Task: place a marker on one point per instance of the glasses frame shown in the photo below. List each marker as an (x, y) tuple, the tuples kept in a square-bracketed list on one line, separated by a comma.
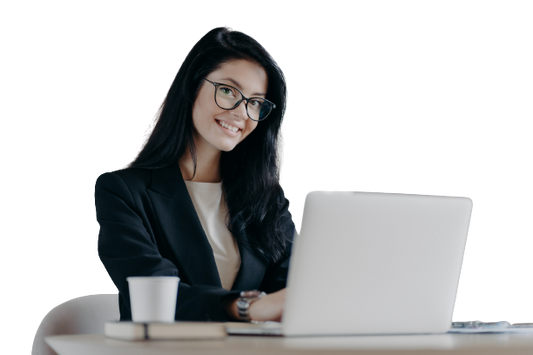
[(244, 98)]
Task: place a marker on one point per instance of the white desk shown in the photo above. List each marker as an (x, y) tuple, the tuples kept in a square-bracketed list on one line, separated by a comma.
[(442, 344)]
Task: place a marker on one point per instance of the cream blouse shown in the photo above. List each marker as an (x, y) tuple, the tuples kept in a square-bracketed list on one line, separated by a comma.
[(208, 200)]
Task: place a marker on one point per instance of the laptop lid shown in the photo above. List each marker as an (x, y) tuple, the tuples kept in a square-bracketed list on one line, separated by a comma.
[(376, 263)]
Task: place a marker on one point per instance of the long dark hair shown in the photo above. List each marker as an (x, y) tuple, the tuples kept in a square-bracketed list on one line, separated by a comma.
[(250, 172)]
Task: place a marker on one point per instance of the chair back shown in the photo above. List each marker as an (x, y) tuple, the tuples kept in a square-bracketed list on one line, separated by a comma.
[(83, 315)]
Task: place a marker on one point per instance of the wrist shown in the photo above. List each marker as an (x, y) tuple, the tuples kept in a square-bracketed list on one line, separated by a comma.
[(243, 303)]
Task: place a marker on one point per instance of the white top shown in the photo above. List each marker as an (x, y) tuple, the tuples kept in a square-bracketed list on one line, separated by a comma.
[(211, 208)]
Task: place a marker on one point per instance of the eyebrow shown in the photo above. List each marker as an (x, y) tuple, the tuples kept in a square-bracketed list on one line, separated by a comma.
[(236, 83)]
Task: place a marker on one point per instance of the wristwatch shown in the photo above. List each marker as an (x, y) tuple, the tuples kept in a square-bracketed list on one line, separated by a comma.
[(246, 298)]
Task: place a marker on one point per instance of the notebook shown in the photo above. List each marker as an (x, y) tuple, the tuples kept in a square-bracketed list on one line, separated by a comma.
[(373, 263)]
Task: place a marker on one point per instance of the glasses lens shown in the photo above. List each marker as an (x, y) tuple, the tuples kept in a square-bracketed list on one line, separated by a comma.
[(258, 109), (227, 98)]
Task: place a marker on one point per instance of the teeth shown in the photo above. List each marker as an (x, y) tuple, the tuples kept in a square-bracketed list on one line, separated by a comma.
[(225, 125)]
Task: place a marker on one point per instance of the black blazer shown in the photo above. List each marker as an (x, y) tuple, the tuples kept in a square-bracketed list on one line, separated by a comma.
[(148, 226)]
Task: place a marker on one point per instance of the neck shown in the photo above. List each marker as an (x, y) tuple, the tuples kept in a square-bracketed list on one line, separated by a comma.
[(207, 167)]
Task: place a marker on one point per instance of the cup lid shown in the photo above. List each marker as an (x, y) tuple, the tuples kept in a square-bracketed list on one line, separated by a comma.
[(152, 278)]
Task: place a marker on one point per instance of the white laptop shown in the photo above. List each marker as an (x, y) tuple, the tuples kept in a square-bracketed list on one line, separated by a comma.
[(373, 263)]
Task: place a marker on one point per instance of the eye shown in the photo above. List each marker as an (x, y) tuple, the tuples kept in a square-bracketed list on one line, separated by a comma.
[(256, 103), (226, 91)]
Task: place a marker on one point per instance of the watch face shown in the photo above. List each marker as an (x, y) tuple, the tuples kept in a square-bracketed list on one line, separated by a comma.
[(243, 304)]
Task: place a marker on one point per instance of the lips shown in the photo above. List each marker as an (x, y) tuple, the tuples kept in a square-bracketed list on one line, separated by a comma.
[(228, 126)]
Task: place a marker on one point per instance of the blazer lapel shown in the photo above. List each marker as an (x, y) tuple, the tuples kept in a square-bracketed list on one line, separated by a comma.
[(181, 227), (186, 238), (251, 265)]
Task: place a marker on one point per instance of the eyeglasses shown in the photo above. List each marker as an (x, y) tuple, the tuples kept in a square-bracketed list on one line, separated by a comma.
[(227, 98)]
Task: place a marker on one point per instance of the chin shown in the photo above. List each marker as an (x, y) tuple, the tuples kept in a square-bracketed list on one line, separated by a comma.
[(227, 148)]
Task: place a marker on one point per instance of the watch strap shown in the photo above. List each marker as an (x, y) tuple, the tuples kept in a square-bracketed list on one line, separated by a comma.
[(246, 298)]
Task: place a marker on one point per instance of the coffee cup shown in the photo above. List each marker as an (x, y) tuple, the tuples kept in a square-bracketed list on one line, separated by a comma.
[(153, 298)]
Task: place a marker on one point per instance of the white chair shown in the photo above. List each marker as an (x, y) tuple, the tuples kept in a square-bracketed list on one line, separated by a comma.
[(83, 315)]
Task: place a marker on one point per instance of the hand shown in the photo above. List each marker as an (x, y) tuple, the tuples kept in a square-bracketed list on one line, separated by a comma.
[(269, 307)]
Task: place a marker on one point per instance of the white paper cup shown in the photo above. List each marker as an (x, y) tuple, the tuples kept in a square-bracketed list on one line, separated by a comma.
[(153, 298)]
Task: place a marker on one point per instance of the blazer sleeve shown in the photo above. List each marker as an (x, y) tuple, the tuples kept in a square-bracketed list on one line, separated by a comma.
[(127, 247), (276, 275)]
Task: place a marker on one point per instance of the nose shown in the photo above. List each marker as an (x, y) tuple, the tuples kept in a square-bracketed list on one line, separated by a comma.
[(240, 111)]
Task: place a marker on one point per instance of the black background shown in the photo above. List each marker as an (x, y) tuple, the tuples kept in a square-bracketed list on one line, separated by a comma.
[(374, 107)]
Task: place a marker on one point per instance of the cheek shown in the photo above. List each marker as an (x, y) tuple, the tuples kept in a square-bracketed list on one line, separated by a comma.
[(250, 126), (195, 119), (200, 116)]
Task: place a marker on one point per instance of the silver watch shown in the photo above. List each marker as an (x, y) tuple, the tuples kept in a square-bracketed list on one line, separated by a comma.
[(246, 298)]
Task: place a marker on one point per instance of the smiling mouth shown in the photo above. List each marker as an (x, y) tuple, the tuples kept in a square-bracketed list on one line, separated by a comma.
[(227, 126)]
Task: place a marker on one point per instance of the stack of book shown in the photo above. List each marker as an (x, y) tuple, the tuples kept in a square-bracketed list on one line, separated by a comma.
[(165, 331)]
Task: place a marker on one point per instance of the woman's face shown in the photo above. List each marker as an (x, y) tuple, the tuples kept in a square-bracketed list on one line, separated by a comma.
[(220, 129)]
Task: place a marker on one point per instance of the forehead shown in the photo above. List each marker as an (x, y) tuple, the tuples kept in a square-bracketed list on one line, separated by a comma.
[(249, 77)]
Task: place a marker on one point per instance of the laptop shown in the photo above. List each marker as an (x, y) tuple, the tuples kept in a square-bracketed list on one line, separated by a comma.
[(373, 263)]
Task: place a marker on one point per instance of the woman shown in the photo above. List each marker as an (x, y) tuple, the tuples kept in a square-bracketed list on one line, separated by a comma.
[(202, 199)]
